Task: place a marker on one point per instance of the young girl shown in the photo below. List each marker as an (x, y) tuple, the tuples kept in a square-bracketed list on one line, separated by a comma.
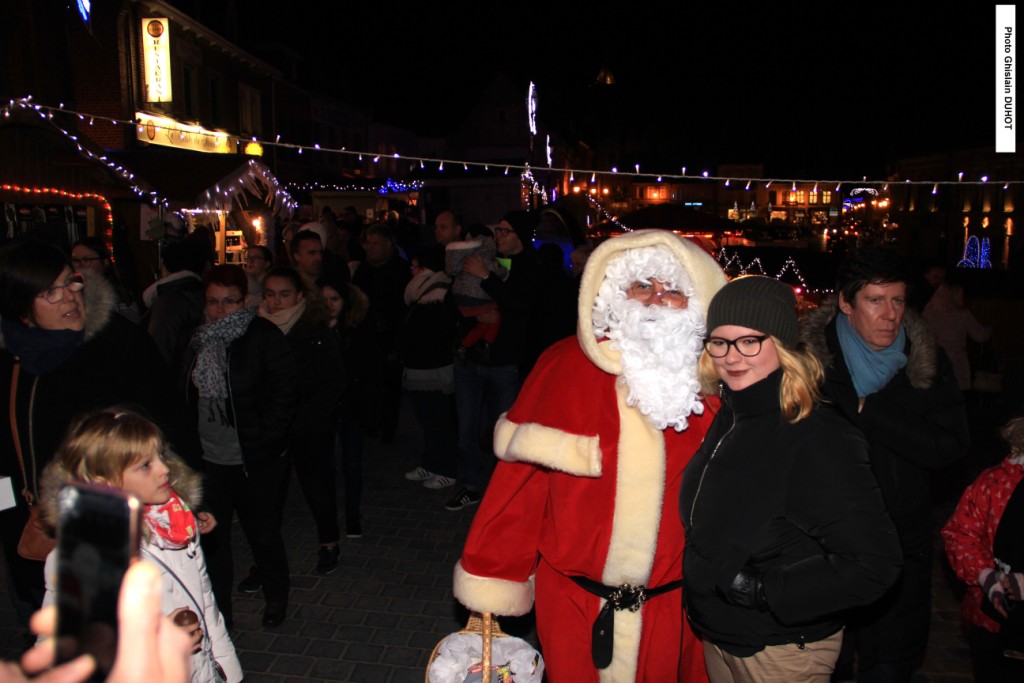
[(120, 448)]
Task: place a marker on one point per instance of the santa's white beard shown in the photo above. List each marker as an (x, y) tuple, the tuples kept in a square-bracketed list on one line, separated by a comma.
[(659, 349)]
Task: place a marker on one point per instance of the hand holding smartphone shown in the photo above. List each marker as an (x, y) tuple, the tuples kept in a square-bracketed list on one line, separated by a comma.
[(97, 540)]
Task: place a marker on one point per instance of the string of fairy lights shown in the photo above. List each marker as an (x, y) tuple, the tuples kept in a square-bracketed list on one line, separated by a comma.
[(423, 162)]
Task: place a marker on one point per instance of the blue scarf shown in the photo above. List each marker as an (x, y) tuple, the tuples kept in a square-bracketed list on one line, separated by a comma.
[(40, 351), (870, 370)]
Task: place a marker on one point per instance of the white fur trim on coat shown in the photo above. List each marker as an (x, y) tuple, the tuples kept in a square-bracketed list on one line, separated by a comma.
[(639, 494), (546, 446), (483, 594)]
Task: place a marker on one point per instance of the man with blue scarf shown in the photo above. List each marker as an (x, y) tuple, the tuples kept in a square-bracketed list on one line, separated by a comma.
[(884, 370)]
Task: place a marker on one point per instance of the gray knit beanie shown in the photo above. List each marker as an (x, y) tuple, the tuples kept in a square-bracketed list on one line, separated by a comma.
[(757, 302)]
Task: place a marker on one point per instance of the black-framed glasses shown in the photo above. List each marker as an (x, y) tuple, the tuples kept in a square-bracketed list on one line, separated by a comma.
[(54, 295), (749, 345)]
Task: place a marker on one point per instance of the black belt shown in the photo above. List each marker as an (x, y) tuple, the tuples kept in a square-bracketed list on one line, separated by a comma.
[(618, 598)]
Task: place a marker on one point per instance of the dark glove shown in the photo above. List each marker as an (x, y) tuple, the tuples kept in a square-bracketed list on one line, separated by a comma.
[(747, 590)]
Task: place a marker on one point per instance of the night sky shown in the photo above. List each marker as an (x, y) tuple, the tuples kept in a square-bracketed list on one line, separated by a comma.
[(812, 89)]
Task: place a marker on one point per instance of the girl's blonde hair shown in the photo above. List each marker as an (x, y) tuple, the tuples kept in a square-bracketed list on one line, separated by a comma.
[(801, 379), (1013, 434), (101, 445)]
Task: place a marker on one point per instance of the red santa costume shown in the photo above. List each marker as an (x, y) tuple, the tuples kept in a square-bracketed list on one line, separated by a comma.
[(580, 491)]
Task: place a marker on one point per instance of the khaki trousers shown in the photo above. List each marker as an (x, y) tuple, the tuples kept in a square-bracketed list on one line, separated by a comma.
[(776, 663)]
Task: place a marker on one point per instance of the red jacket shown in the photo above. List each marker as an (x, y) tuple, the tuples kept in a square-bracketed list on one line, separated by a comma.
[(971, 530)]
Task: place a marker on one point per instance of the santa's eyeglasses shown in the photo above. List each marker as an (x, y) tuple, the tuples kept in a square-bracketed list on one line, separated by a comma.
[(653, 292)]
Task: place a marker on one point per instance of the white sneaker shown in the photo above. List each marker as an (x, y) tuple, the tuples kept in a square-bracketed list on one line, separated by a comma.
[(439, 481), (419, 474)]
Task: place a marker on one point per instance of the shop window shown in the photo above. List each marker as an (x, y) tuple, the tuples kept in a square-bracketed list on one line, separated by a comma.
[(248, 110)]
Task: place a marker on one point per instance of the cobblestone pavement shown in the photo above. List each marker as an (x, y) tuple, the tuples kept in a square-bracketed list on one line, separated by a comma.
[(377, 619)]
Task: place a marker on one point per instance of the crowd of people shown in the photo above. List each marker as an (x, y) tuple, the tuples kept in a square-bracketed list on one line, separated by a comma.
[(686, 481)]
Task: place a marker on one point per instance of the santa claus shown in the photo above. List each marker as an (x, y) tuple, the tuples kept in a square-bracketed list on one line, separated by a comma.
[(581, 510)]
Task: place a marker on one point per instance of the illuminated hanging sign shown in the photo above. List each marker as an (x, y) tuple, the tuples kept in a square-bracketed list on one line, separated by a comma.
[(156, 40), (161, 130)]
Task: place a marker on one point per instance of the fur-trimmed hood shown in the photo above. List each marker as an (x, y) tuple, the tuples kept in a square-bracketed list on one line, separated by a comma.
[(922, 359), (706, 274), (183, 480)]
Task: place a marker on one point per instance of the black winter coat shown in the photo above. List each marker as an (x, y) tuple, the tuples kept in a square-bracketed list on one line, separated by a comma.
[(914, 425), (263, 391), (798, 503), (320, 371)]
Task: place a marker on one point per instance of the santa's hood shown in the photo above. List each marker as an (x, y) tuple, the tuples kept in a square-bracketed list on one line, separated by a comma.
[(703, 270)]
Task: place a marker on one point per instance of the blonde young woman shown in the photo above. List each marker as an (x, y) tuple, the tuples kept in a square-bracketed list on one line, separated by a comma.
[(120, 448), (785, 525)]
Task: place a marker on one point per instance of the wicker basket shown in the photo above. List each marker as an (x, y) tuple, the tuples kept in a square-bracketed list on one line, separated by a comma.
[(487, 627)]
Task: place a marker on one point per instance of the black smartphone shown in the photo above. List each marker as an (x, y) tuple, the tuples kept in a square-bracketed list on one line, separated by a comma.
[(97, 539)]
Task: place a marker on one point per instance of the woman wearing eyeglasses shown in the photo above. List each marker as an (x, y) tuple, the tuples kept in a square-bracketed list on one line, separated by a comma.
[(64, 351), (91, 258), (242, 386), (785, 524)]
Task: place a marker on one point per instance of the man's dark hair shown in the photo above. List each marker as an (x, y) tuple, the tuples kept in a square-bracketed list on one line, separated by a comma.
[(869, 266), (381, 230), (227, 275), (287, 273), (26, 269), (184, 255), (303, 235), (263, 251)]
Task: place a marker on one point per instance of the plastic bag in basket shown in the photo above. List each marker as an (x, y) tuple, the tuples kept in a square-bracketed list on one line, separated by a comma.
[(458, 660)]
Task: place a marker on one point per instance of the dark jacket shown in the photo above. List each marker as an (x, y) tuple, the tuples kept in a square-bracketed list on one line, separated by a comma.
[(263, 393), (427, 337), (384, 286), (516, 297), (178, 306), (795, 502), (320, 371), (913, 425)]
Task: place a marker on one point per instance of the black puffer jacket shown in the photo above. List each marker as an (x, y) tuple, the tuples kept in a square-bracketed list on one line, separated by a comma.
[(262, 387), (798, 503)]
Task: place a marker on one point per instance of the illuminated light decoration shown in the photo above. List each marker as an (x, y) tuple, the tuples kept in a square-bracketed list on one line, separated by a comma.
[(768, 184), (935, 188), (637, 167), (885, 188), (45, 112), (815, 188), (393, 156), (705, 174), (548, 150), (863, 190), (254, 149), (793, 189), (572, 178), (984, 178), (506, 170), (659, 179), (465, 167), (156, 34), (531, 108), (976, 253), (376, 159), (960, 176), (440, 167), (84, 9), (615, 169), (77, 196), (748, 186), (727, 182)]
